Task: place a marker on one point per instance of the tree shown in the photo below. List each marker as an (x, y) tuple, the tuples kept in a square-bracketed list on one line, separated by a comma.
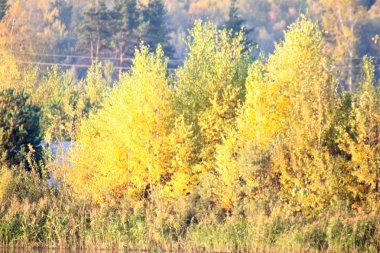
[(211, 88), (58, 19), (127, 23), (279, 140), (20, 131), (94, 33), (61, 10), (357, 139), (55, 95), (4, 6), (366, 146), (13, 76), (93, 89), (235, 23), (16, 30), (342, 19), (155, 27), (134, 144)]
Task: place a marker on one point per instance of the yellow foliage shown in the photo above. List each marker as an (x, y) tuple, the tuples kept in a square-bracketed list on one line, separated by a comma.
[(13, 76), (5, 181), (364, 145), (130, 146), (285, 115)]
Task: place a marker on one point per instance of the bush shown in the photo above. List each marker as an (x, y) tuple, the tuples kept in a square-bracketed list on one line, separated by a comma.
[(20, 131)]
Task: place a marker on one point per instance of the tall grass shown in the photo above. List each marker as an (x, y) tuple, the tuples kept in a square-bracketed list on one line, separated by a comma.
[(36, 215)]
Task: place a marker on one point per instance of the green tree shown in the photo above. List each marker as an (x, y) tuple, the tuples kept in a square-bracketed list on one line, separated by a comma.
[(20, 131), (55, 94), (155, 27), (4, 6), (94, 33), (235, 23), (127, 24), (211, 87)]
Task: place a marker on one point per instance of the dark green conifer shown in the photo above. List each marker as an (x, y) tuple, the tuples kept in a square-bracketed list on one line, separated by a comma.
[(235, 23), (20, 130), (155, 29), (126, 18), (94, 33), (4, 6)]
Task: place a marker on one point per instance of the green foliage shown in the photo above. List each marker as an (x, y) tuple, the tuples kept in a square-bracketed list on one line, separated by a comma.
[(95, 30), (235, 23), (20, 130), (155, 29), (65, 102), (211, 86), (93, 89), (127, 20), (4, 6), (55, 97)]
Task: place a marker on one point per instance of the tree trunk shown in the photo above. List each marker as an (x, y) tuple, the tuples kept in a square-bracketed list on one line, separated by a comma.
[(92, 52), (121, 62)]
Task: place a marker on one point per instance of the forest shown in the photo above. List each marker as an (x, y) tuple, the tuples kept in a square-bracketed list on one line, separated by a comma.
[(213, 126)]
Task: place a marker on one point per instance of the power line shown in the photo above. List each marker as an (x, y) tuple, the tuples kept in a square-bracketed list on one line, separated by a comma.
[(84, 56), (62, 64), (40, 63)]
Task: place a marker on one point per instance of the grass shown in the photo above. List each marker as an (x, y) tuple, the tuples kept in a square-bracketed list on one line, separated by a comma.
[(36, 215)]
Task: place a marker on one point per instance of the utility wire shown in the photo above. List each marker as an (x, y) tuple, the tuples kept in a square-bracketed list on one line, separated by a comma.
[(40, 63), (83, 56), (62, 64)]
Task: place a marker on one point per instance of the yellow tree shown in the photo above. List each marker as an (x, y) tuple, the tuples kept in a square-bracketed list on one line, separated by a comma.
[(281, 128), (134, 145), (12, 75), (362, 144), (17, 27), (37, 19)]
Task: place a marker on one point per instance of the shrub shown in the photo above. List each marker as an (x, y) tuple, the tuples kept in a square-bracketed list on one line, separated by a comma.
[(20, 131)]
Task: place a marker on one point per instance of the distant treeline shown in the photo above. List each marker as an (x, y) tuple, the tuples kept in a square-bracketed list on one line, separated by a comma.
[(68, 31)]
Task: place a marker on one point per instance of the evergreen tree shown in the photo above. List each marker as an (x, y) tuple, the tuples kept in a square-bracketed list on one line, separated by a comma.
[(95, 32), (155, 30), (3, 8), (20, 131), (234, 22), (127, 22)]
